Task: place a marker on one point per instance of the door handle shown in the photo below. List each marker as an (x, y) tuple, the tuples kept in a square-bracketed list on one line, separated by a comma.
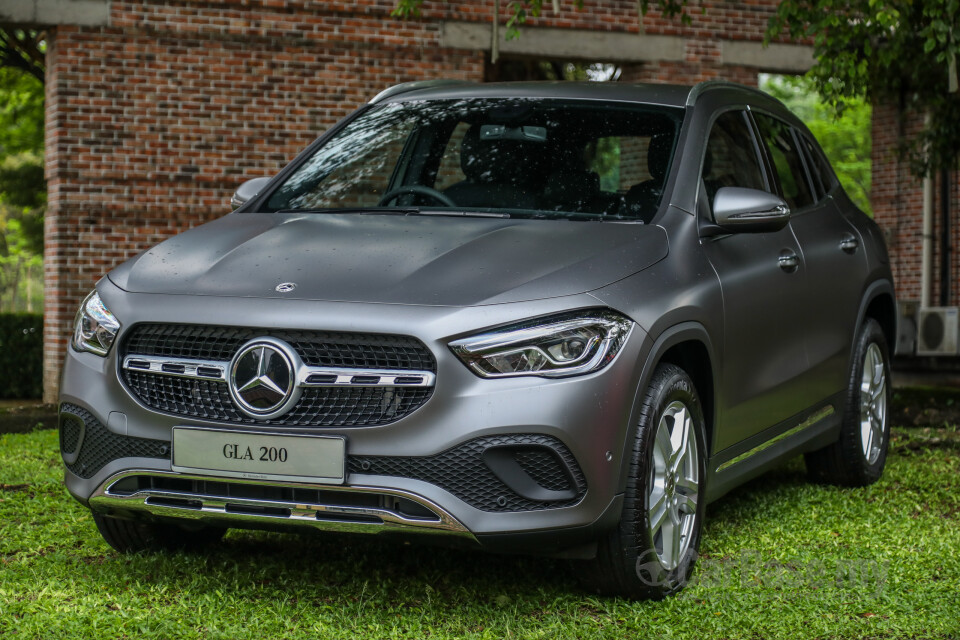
[(849, 243), (788, 261)]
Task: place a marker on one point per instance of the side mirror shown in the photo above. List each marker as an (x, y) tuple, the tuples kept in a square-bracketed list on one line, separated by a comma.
[(248, 190), (736, 209)]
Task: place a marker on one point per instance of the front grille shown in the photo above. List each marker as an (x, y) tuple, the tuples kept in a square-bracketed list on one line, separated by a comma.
[(317, 407), (462, 472), (315, 348), (100, 445)]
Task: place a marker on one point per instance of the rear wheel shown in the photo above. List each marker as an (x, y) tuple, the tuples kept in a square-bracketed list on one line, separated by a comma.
[(652, 552), (129, 536), (857, 458)]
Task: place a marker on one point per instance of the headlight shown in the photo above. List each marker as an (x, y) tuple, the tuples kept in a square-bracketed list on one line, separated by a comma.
[(94, 328), (553, 347)]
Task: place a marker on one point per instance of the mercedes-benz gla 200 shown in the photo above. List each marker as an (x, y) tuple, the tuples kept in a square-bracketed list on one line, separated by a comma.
[(538, 318)]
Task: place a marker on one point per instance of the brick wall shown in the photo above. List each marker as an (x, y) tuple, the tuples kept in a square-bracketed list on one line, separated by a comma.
[(154, 119), (897, 200)]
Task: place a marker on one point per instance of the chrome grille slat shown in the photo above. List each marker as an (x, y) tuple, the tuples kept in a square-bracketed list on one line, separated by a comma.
[(342, 376)]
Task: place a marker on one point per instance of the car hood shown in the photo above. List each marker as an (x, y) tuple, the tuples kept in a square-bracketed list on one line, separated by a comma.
[(422, 260)]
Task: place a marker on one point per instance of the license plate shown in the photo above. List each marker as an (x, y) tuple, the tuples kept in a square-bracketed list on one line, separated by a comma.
[(259, 456)]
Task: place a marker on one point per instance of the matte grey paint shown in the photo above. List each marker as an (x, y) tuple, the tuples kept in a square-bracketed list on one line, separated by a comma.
[(393, 259), (778, 342), (249, 189), (736, 209)]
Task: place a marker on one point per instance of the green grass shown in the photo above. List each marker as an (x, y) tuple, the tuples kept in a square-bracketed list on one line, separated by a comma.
[(781, 559)]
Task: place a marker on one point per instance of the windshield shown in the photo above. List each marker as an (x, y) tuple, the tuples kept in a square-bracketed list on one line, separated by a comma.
[(517, 157)]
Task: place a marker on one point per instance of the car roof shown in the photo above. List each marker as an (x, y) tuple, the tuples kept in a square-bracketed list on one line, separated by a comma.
[(671, 95)]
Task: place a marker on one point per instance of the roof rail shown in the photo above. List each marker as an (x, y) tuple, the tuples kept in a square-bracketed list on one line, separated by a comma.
[(404, 87), (701, 87)]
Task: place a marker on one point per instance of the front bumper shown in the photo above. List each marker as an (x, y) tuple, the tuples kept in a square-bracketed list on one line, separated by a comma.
[(584, 419)]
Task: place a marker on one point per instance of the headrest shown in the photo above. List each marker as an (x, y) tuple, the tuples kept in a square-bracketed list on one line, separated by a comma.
[(569, 187), (658, 156)]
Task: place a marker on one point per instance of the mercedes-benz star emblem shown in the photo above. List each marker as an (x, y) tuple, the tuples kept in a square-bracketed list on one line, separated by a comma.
[(262, 379), (286, 287)]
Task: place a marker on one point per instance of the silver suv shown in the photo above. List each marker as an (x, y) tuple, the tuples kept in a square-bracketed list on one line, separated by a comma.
[(545, 318)]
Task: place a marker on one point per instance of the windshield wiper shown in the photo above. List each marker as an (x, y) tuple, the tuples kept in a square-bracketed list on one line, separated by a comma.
[(392, 211), (461, 214)]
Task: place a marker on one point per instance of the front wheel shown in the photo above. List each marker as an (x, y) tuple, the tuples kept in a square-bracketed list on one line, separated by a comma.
[(652, 552), (857, 458)]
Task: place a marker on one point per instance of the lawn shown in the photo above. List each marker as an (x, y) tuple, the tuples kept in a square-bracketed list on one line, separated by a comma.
[(781, 558)]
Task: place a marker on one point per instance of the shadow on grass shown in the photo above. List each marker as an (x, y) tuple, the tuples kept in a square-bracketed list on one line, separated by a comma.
[(336, 567), (333, 568)]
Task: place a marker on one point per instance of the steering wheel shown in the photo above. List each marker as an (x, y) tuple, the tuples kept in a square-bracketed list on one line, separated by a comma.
[(420, 191)]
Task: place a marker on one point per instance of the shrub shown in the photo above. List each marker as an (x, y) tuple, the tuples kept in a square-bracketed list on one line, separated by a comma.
[(21, 355)]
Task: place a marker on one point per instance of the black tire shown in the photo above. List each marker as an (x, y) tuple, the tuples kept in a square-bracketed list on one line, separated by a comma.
[(846, 462), (628, 561), (131, 536)]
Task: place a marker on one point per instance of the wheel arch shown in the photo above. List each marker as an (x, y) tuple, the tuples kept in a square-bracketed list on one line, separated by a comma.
[(879, 302), (688, 346)]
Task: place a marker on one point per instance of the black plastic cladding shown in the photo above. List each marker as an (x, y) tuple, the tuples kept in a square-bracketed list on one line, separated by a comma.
[(101, 446), (462, 472)]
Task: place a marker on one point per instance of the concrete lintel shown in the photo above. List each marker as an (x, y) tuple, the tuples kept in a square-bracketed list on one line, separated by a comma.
[(551, 42), (53, 12), (788, 58)]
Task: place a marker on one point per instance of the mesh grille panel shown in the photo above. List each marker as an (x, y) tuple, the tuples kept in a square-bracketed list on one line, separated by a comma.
[(318, 407), (100, 446), (544, 468), (462, 472), (70, 426)]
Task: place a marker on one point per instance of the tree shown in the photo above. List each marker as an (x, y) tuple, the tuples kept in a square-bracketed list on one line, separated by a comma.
[(845, 139), (901, 52), (23, 194), (22, 49)]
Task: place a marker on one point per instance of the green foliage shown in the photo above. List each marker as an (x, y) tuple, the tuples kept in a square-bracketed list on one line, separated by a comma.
[(896, 51), (845, 138), (22, 185), (23, 191), (520, 10), (21, 355), (21, 113), (781, 558)]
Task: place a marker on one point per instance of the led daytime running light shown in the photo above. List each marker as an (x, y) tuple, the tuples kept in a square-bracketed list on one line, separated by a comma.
[(557, 347)]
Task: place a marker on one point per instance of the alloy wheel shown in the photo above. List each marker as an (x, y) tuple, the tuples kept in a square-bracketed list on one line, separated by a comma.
[(674, 485), (873, 403)]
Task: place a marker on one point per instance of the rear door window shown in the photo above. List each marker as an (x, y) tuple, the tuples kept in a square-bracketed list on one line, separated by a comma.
[(787, 161)]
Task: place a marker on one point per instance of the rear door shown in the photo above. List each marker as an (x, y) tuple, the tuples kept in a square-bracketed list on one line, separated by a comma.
[(832, 250)]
